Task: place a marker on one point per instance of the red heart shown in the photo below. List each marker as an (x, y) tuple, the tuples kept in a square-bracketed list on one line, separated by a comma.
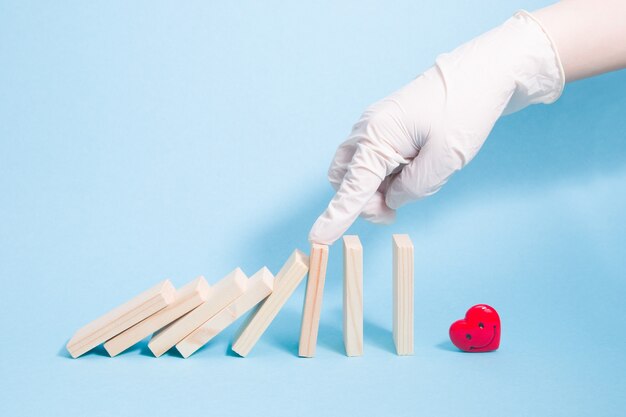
[(479, 331)]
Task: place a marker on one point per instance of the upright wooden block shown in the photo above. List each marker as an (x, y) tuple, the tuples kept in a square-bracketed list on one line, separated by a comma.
[(187, 298), (353, 295), (403, 294), (121, 318), (290, 275), (221, 294), (318, 260), (259, 287)]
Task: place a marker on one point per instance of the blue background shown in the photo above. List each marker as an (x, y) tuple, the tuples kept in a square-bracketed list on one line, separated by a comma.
[(146, 140)]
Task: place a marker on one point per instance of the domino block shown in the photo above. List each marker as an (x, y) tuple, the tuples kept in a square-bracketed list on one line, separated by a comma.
[(187, 298), (353, 295), (318, 260), (221, 294), (403, 294), (285, 283), (121, 318), (259, 287)]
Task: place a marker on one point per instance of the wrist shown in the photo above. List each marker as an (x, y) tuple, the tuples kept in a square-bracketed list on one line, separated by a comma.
[(539, 75), (514, 64)]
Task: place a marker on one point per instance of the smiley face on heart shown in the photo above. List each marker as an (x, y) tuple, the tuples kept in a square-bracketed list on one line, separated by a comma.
[(479, 331)]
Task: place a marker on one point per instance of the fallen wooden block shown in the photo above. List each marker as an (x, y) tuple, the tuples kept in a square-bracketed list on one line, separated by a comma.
[(221, 294), (259, 287), (403, 294), (187, 298), (121, 318), (285, 283), (318, 260), (353, 295)]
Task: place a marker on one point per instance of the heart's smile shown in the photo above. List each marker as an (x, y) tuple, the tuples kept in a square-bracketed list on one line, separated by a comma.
[(495, 331)]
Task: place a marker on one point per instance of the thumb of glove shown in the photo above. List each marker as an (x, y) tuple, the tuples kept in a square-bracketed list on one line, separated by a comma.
[(424, 175)]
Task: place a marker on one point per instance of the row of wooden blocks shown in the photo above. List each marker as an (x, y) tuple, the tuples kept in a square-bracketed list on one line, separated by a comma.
[(191, 316)]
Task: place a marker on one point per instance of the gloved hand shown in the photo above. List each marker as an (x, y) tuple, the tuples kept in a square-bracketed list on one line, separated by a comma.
[(407, 145)]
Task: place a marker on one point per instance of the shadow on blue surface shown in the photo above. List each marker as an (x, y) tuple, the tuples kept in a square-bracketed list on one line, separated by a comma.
[(448, 346), (331, 336), (230, 352), (378, 336), (173, 352), (143, 348), (63, 353), (140, 348)]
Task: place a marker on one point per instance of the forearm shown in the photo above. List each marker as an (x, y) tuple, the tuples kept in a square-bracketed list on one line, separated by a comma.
[(589, 35)]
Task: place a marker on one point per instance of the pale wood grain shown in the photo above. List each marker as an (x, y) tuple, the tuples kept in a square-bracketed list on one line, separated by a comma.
[(286, 281), (121, 318), (311, 310), (403, 277), (353, 295), (220, 295), (259, 287), (188, 297)]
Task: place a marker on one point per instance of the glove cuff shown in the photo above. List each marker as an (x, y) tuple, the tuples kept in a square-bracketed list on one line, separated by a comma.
[(541, 79)]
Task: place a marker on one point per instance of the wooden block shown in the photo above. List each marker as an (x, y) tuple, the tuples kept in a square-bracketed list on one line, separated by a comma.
[(121, 318), (353, 295), (187, 298), (259, 287), (403, 294), (285, 283), (318, 260), (221, 294)]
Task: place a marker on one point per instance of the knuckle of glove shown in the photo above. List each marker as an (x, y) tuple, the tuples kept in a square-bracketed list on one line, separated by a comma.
[(380, 132)]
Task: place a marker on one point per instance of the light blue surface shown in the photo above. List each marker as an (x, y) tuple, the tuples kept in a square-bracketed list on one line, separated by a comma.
[(151, 140)]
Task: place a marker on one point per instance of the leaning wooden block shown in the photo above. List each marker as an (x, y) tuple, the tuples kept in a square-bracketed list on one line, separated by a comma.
[(403, 294), (353, 295), (187, 298), (318, 260), (220, 295), (290, 275), (259, 287), (121, 318)]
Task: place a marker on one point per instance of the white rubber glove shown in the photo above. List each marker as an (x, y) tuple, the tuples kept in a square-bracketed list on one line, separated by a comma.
[(407, 145)]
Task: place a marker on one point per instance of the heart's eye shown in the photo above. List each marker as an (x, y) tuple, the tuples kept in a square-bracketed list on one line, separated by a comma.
[(482, 326), (468, 336)]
